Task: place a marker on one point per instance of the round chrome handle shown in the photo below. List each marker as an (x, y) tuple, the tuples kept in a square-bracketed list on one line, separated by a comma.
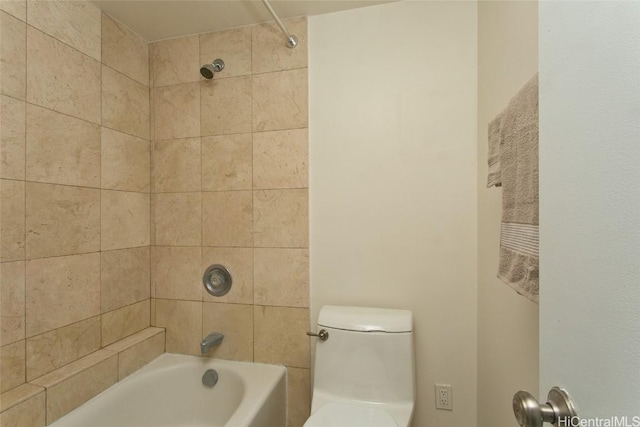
[(322, 334), (559, 409)]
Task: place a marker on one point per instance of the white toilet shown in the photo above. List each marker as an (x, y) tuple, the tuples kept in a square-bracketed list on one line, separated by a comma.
[(364, 370)]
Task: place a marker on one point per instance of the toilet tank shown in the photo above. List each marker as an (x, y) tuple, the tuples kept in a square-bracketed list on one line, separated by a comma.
[(368, 357)]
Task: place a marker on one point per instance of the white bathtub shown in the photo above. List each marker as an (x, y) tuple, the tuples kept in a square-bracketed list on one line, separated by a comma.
[(168, 392)]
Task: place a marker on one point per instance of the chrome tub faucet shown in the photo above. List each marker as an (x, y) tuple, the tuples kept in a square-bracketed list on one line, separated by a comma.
[(212, 340)]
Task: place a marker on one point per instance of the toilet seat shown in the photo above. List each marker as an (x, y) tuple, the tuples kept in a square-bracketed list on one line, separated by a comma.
[(349, 415)]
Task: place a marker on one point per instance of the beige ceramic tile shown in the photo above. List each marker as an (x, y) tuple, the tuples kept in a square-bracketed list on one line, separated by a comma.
[(176, 165), (233, 46), (226, 219), (124, 50), (12, 366), (136, 356), (125, 104), (226, 106), (226, 162), (13, 60), (30, 413), (177, 111), (175, 61), (235, 321), (68, 394), (280, 100), (125, 162), (71, 83), (178, 273), (281, 277), (76, 23), (50, 351), (18, 395), (12, 220), (62, 220), (62, 149), (12, 302), (124, 277), (17, 8), (281, 218), (298, 396), (274, 326), (153, 311), (183, 323), (135, 339), (12, 138), (178, 219), (125, 321), (270, 52), (61, 291), (239, 262), (281, 159), (125, 219)]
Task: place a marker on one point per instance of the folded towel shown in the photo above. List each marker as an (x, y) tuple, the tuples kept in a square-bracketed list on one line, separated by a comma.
[(494, 178), (519, 175)]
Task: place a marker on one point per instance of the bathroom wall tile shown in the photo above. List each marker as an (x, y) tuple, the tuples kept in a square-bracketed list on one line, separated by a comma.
[(62, 220), (178, 273), (76, 23), (12, 138), (281, 159), (66, 395), (62, 149), (298, 396), (280, 336), (226, 219), (54, 349), (177, 111), (233, 46), (125, 218), (281, 218), (125, 321), (135, 339), (227, 162), (12, 220), (124, 51), (29, 413), (61, 291), (281, 277), (270, 52), (12, 302), (12, 366), (280, 100), (125, 104), (239, 262), (176, 165), (126, 162), (183, 323), (18, 395), (17, 8), (178, 219), (138, 355), (235, 321), (124, 277), (175, 61), (71, 84), (226, 106), (13, 60)]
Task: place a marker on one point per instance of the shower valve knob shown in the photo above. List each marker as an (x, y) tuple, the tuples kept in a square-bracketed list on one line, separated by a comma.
[(322, 334)]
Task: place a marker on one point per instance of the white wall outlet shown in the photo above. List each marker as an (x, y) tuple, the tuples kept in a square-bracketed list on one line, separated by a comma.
[(444, 398)]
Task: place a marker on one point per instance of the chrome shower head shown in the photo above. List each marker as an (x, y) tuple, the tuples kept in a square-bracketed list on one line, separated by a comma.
[(208, 70)]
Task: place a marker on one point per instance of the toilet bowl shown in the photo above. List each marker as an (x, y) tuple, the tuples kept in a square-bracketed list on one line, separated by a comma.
[(364, 370)]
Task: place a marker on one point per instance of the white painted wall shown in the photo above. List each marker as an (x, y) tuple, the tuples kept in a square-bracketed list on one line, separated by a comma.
[(393, 170), (590, 204), (507, 322)]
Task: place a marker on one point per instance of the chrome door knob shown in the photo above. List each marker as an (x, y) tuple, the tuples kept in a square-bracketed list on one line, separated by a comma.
[(322, 334), (559, 409)]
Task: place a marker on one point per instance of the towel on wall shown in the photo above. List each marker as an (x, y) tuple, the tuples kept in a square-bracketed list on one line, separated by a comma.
[(518, 170), (495, 177)]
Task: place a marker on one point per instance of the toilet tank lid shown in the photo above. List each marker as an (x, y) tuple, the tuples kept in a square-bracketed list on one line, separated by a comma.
[(366, 319)]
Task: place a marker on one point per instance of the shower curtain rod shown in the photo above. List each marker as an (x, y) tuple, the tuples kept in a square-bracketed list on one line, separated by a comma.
[(292, 41)]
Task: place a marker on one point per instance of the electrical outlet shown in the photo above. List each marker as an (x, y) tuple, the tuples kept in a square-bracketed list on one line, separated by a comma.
[(444, 398)]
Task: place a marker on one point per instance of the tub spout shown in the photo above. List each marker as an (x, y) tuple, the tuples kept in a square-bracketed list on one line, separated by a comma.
[(212, 340)]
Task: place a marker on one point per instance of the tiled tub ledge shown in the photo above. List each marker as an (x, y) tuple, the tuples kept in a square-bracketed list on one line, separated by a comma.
[(51, 396)]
